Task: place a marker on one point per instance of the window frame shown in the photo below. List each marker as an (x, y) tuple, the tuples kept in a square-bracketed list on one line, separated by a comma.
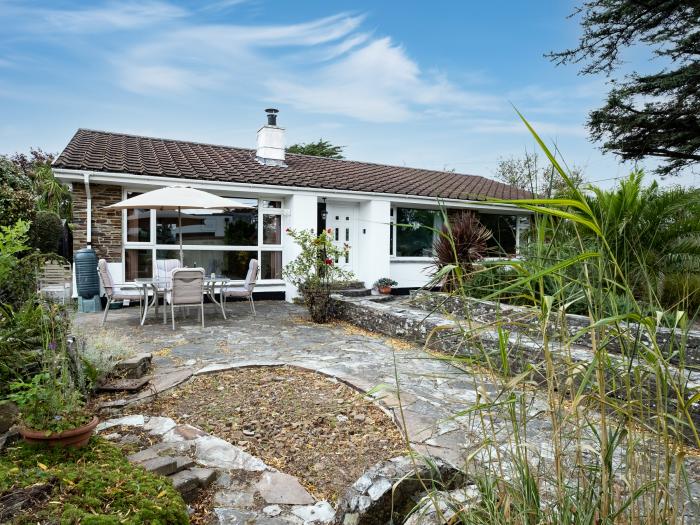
[(154, 247), (393, 221), (521, 220)]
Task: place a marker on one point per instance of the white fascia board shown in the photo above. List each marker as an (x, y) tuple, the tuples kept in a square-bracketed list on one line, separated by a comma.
[(131, 180)]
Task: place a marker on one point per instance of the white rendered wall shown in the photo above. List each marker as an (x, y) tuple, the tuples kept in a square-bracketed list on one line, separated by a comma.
[(410, 273), (302, 216), (373, 241)]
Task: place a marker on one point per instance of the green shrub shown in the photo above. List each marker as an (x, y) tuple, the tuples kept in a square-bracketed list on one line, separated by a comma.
[(95, 484), (20, 343), (682, 291), (22, 286), (16, 205), (46, 232)]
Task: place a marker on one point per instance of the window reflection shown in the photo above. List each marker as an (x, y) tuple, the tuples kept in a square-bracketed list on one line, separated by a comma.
[(271, 265), (416, 231), (138, 264), (138, 223), (229, 228), (272, 229)]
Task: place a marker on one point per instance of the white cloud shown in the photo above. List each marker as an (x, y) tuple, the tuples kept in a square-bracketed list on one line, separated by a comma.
[(376, 83), (111, 16), (329, 65)]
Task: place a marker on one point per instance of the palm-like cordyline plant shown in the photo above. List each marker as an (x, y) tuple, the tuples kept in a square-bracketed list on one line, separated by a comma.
[(461, 243)]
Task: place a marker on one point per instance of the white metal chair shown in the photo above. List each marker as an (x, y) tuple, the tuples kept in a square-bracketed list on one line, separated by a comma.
[(187, 290), (118, 292), (164, 281), (55, 280), (245, 291), (164, 268)]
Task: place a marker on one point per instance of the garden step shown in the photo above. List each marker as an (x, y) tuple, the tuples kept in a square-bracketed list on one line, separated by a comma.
[(186, 483), (189, 482), (161, 465), (183, 462), (134, 367), (355, 292), (127, 385), (381, 298), (351, 285)]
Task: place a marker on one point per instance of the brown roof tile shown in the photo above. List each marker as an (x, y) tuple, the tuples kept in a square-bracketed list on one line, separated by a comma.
[(120, 153)]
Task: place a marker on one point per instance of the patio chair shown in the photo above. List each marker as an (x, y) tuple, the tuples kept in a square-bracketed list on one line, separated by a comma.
[(245, 291), (164, 267), (55, 280), (164, 280), (118, 292), (187, 290)]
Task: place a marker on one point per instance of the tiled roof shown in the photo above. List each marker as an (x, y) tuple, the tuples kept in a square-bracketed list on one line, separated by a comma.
[(120, 153)]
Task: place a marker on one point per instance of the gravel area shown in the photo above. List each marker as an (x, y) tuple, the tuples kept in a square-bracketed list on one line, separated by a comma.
[(303, 423)]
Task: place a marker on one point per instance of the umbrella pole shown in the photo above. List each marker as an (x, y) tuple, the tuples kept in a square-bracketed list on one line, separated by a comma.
[(179, 227)]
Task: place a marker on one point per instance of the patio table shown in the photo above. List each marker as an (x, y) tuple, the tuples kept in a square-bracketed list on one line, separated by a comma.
[(159, 287)]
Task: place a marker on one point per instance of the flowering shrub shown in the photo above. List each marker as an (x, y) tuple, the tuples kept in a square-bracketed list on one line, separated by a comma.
[(314, 271)]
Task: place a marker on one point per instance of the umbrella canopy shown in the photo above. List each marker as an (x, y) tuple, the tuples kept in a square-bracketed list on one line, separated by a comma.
[(179, 198)]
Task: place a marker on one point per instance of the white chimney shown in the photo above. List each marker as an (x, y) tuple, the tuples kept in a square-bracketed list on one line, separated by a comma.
[(270, 151)]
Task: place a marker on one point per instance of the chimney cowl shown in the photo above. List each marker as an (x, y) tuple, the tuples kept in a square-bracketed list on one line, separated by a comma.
[(271, 146), (272, 116)]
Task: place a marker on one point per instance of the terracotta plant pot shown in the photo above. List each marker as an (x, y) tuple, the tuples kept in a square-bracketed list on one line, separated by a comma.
[(386, 290), (75, 437)]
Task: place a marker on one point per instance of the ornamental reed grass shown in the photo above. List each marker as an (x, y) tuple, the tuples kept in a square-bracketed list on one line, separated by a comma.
[(594, 425)]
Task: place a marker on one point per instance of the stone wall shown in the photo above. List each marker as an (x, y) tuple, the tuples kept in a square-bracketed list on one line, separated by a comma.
[(106, 223), (475, 342), (526, 320)]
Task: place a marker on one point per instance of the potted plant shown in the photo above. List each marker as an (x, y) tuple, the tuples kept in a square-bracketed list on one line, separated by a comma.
[(314, 271), (384, 285), (51, 404)]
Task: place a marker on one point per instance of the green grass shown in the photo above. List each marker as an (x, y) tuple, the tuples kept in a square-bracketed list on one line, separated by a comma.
[(93, 485)]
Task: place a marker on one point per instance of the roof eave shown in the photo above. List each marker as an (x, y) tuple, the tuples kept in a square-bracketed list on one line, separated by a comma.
[(130, 179)]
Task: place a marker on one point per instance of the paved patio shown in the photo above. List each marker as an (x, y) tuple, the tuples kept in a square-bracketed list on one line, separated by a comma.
[(431, 391)]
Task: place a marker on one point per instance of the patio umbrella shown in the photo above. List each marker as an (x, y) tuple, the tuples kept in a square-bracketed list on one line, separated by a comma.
[(179, 198)]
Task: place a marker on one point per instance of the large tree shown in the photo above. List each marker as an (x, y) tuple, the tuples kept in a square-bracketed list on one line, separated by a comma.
[(645, 115), (527, 173), (321, 148)]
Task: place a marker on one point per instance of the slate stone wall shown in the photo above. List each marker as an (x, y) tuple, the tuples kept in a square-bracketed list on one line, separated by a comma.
[(526, 320), (106, 223)]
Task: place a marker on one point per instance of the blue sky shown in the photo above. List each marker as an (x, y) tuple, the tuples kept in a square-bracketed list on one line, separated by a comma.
[(425, 84)]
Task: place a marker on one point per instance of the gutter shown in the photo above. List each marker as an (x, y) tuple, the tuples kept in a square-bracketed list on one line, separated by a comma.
[(129, 179)]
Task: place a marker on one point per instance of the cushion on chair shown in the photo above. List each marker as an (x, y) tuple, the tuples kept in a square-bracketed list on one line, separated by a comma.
[(251, 276), (105, 276), (164, 269), (236, 292)]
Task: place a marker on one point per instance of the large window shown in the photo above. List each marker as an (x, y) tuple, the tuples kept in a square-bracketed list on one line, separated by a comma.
[(416, 230), (503, 227), (222, 243), (229, 228), (413, 232), (138, 223)]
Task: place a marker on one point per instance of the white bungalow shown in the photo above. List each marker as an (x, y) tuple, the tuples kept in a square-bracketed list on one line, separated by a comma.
[(361, 202)]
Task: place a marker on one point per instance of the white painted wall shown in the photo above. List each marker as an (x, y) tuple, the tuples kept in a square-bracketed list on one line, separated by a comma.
[(373, 241), (302, 216), (410, 273)]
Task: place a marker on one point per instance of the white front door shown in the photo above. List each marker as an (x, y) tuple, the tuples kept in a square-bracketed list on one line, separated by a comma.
[(342, 220)]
